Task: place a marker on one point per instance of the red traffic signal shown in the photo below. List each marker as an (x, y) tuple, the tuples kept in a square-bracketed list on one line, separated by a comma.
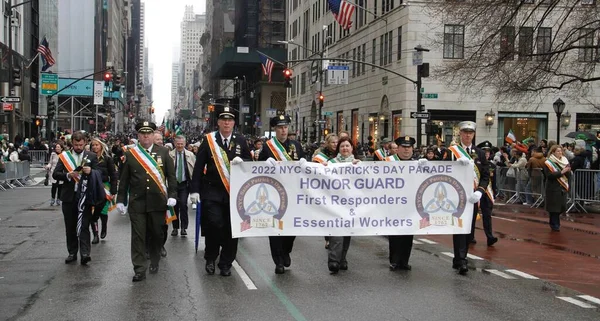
[(287, 73), (107, 76)]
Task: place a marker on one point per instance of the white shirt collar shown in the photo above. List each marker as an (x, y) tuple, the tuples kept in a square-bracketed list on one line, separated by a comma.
[(223, 137), (465, 147), (149, 149)]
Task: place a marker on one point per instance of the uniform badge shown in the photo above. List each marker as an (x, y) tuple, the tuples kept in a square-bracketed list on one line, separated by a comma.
[(159, 161)]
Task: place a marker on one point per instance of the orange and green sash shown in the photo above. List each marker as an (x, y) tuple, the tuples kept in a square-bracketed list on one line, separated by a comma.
[(380, 153), (278, 150), (320, 157), (155, 172), (392, 158), (67, 159), (563, 180), (459, 153), (221, 159)]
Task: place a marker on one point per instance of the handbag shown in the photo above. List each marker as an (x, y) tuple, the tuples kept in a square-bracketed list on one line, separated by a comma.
[(510, 172), (46, 179)]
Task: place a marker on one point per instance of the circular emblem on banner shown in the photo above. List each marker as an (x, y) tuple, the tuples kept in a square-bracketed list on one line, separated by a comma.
[(440, 201), (262, 202)]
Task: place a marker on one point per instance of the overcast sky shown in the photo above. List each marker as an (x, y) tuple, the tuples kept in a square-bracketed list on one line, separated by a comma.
[(163, 31)]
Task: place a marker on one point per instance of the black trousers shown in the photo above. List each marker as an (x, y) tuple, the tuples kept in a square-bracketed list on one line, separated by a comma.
[(146, 232), (98, 213), (216, 225), (461, 242), (281, 246), (485, 207), (181, 209), (55, 190), (400, 248), (74, 243)]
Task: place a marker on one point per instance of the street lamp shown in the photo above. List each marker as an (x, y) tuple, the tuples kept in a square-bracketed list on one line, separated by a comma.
[(566, 120), (559, 107), (489, 119)]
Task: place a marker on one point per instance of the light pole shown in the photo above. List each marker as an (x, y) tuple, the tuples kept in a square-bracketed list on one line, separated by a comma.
[(422, 71), (559, 107)]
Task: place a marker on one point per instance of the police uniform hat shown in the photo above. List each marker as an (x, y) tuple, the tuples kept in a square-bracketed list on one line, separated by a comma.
[(226, 113), (386, 140), (467, 126), (485, 145), (281, 120), (405, 141), (145, 127)]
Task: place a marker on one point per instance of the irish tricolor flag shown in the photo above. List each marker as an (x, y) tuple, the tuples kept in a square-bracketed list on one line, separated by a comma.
[(510, 137)]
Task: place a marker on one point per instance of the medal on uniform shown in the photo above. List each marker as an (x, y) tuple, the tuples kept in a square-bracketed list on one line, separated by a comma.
[(159, 161)]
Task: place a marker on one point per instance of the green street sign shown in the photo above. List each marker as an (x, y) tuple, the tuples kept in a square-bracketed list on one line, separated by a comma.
[(430, 96), (49, 85), (327, 113), (422, 90)]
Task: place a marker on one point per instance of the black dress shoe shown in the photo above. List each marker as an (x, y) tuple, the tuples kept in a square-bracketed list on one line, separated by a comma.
[(455, 266), (85, 259), (405, 267), (103, 232), (334, 267), (473, 241), (163, 252), (183, 232), (139, 277), (344, 266), (492, 241), (96, 240), (279, 269), (226, 271), (153, 269), (463, 269), (174, 233), (287, 260), (393, 266), (210, 267), (71, 258)]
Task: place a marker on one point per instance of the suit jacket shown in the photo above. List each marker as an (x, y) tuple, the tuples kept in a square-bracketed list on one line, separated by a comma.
[(190, 160), (67, 193), (209, 185), (295, 153), (482, 163), (144, 194)]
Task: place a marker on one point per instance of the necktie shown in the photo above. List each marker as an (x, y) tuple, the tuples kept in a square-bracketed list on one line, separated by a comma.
[(225, 143), (179, 168), (469, 151)]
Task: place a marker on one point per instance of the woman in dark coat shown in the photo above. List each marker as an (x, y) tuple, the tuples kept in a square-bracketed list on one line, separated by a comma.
[(106, 166), (557, 172)]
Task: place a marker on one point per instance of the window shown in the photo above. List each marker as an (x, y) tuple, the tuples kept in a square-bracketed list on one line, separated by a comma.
[(303, 83), (358, 64), (454, 39), (360, 14), (390, 46), (364, 55), (353, 62), (586, 42), (588, 2), (375, 8), (373, 49), (525, 43), (385, 48), (399, 53), (544, 44), (381, 53), (507, 43)]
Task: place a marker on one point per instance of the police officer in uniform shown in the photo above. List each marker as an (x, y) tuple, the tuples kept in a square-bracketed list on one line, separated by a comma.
[(147, 201), (401, 245), (486, 204), (210, 188), (281, 246)]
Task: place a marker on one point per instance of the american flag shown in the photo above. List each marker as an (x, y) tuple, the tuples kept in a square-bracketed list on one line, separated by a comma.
[(44, 50), (342, 12), (267, 65)]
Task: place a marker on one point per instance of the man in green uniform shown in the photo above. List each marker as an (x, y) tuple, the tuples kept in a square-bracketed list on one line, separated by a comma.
[(148, 176)]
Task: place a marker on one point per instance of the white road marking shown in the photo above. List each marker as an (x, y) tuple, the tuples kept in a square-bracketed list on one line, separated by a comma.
[(448, 254), (522, 274), (590, 298), (245, 278), (506, 219), (500, 274), (576, 302), (417, 242), (474, 257), (427, 241)]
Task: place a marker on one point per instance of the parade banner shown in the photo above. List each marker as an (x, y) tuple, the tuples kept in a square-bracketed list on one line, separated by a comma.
[(369, 198)]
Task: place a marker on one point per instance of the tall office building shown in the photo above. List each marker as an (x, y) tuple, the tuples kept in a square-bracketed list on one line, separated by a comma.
[(174, 83), (192, 28)]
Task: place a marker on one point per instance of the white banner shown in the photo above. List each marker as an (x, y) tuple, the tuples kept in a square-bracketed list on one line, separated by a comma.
[(370, 198), (98, 92)]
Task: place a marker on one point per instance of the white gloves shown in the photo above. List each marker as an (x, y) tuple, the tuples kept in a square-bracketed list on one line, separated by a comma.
[(475, 197), (194, 198), (302, 162), (271, 161), (423, 161), (171, 202), (465, 162), (121, 208), (237, 160)]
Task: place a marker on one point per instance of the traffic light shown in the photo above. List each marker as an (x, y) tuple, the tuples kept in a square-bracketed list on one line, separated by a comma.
[(107, 78), (38, 122), (423, 70), (116, 82), (51, 108), (287, 75), (321, 100), (16, 77), (211, 108), (326, 132)]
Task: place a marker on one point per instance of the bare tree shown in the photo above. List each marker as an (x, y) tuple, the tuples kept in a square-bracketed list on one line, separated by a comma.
[(519, 49)]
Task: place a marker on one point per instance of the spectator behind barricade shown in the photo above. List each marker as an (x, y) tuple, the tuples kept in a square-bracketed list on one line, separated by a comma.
[(13, 153), (24, 154), (430, 155), (535, 166), (580, 160), (520, 173)]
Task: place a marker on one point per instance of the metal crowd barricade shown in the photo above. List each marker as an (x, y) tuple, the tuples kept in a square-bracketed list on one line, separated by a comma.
[(584, 189), (39, 157), (17, 174), (521, 185), (507, 188)]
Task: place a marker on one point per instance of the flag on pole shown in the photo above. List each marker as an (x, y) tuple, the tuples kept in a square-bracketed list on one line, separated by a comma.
[(510, 137), (44, 50), (342, 11), (267, 65), (178, 130)]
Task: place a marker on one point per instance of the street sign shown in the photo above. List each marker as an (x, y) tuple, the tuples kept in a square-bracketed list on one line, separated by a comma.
[(417, 58), (320, 121), (421, 115), (10, 99), (337, 75), (245, 109), (98, 92), (422, 90), (271, 112), (327, 113), (7, 107), (41, 117), (49, 84), (430, 96)]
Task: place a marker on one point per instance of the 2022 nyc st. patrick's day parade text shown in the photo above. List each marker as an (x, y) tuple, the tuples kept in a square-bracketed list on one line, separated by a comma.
[(368, 198)]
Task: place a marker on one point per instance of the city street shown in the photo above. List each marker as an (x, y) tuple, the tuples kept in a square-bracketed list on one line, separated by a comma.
[(530, 274)]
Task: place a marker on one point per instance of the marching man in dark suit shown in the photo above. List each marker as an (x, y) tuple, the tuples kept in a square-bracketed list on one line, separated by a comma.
[(184, 161), (218, 150), (465, 152), (280, 148), (148, 176), (69, 169)]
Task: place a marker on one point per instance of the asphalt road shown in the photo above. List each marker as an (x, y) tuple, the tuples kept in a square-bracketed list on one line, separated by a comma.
[(35, 284)]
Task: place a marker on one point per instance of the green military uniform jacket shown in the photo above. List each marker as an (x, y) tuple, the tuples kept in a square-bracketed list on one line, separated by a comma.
[(144, 194)]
